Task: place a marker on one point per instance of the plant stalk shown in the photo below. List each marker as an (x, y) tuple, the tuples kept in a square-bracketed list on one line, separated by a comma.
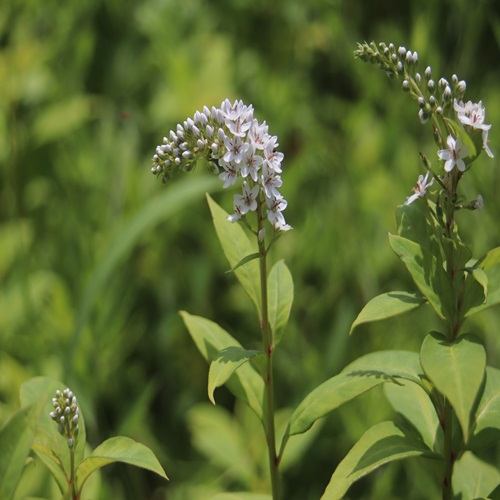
[(269, 379), (448, 451)]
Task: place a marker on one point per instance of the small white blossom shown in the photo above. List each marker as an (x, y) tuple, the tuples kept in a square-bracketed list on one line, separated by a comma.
[(246, 202), (471, 114), (420, 190), (454, 154)]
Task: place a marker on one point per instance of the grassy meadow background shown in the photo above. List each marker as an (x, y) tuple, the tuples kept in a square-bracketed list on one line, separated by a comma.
[(97, 256)]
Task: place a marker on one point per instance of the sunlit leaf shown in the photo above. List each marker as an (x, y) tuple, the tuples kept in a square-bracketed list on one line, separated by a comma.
[(237, 247), (358, 377), (473, 478), (210, 339), (457, 370), (280, 298), (486, 428), (118, 449), (411, 401), (474, 296), (427, 273), (382, 444), (388, 305), (226, 362)]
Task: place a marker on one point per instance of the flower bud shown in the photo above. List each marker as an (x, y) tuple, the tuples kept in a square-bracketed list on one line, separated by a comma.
[(428, 73), (431, 85), (406, 85), (423, 115)]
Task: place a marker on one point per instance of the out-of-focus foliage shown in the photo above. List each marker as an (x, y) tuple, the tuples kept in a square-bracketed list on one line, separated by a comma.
[(96, 257)]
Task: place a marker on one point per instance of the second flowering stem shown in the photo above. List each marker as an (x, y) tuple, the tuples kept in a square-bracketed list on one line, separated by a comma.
[(268, 345)]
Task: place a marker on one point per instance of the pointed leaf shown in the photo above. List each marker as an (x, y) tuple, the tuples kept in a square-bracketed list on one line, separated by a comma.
[(210, 338), (16, 437), (473, 478), (383, 443), (226, 362), (487, 422), (358, 377), (118, 449), (388, 305), (280, 298), (411, 401), (243, 261), (236, 247), (475, 289), (427, 273), (457, 370)]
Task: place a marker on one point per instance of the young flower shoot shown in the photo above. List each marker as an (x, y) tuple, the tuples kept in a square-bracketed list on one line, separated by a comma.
[(239, 148)]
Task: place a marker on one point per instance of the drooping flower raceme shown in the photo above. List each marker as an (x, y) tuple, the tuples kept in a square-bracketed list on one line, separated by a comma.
[(238, 147), (454, 155)]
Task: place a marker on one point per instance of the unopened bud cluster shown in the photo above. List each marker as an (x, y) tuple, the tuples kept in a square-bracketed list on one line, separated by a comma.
[(433, 97), (236, 146), (66, 415)]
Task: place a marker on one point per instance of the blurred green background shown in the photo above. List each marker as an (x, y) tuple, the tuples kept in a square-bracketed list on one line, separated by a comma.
[(97, 257)]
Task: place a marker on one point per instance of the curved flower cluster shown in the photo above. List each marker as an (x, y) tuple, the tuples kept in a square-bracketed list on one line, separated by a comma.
[(443, 103), (236, 145), (66, 413), (432, 97)]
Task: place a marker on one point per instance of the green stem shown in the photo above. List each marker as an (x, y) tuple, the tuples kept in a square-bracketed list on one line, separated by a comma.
[(74, 494), (448, 451), (269, 379)]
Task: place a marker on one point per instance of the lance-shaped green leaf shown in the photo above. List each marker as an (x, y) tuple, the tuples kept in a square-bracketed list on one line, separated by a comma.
[(388, 305), (358, 377), (427, 273), (411, 401), (16, 438), (457, 371), (415, 225), (474, 297), (226, 362), (473, 478), (486, 429), (280, 298), (210, 339), (118, 449), (237, 247), (382, 444)]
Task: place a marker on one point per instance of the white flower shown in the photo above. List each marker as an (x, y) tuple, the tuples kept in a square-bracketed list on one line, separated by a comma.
[(271, 182), (273, 158), (454, 154), (471, 114), (251, 162), (229, 175), (235, 148), (274, 208), (420, 189), (246, 202)]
